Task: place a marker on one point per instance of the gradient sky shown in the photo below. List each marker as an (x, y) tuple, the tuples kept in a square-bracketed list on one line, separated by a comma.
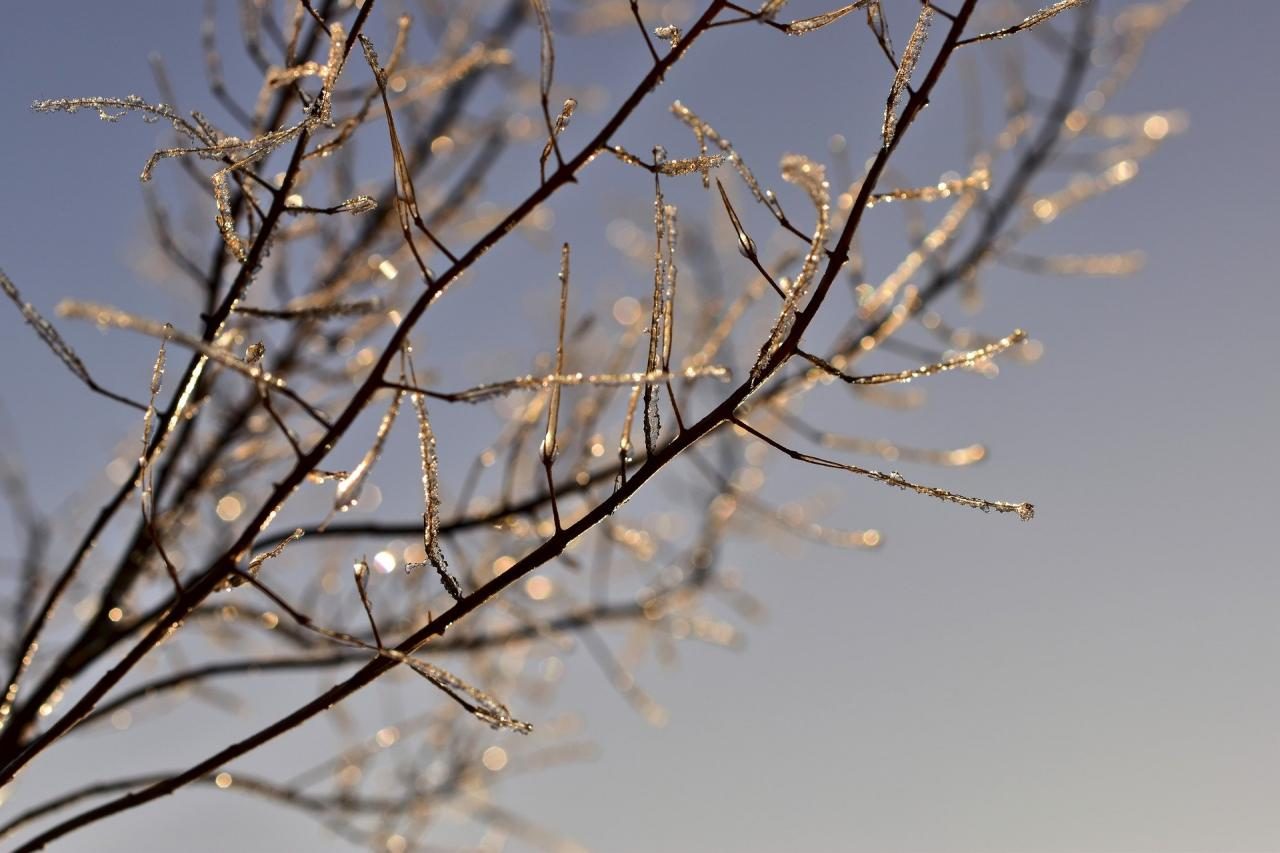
[(1102, 679)]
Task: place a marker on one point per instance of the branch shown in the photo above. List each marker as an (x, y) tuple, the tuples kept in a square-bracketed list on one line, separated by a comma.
[(551, 547)]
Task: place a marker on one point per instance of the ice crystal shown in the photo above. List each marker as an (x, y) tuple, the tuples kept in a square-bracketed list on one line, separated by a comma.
[(548, 449), (481, 704), (910, 56), (979, 179), (1024, 511), (537, 382), (113, 317), (811, 177), (431, 497), (233, 581), (704, 133), (348, 492), (808, 25), (47, 333), (670, 34), (1031, 20), (967, 359)]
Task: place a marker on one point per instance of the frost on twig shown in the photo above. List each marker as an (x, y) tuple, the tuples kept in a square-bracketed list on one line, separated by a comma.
[(669, 289), (625, 445), (348, 492), (476, 701), (356, 205), (660, 316), (670, 34), (558, 127), (236, 580), (347, 126), (978, 179), (547, 451), (235, 152), (146, 461), (910, 56), (479, 703), (144, 472), (878, 298), (1031, 20), (1024, 511), (811, 177), (808, 25), (673, 167), (968, 359), (538, 382), (114, 109), (546, 76), (704, 133), (327, 72), (406, 196), (700, 164), (60, 347), (104, 315), (430, 492)]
